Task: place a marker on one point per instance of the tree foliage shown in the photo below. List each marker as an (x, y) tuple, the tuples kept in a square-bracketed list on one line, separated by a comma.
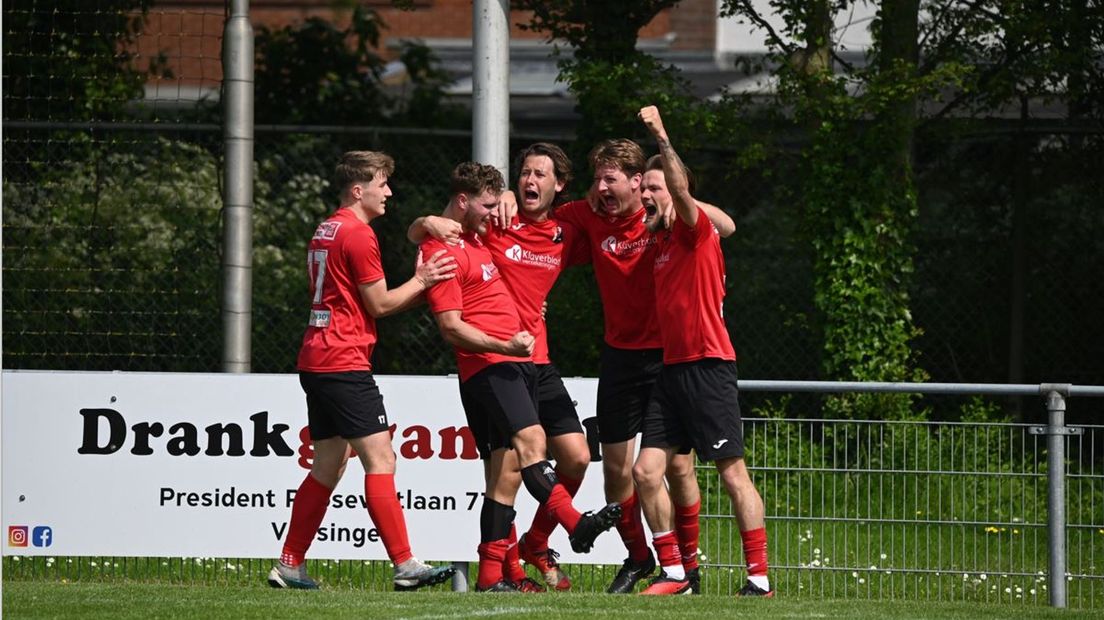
[(68, 60), (609, 77), (318, 73)]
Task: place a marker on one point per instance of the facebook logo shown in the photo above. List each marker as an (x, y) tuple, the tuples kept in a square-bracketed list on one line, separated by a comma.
[(42, 536)]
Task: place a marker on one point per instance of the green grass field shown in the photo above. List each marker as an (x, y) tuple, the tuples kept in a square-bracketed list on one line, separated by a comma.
[(121, 601)]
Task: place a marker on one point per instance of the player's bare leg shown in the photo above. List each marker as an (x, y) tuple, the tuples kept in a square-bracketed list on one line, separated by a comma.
[(747, 505), (378, 459), (542, 483), (686, 497), (307, 511), (650, 476), (617, 470), (572, 456), (496, 521)]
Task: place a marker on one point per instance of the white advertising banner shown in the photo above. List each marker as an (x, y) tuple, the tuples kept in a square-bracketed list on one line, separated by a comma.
[(206, 465)]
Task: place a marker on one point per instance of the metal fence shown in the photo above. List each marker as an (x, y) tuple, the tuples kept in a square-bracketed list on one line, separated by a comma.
[(919, 510)]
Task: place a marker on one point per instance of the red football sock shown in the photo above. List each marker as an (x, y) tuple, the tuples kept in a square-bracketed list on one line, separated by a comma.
[(491, 556), (387, 515), (667, 550), (543, 523), (307, 512), (631, 529), (688, 529), (511, 566), (755, 551), (559, 507)]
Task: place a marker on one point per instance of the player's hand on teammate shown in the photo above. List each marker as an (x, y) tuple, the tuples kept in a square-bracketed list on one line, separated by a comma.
[(437, 269), (665, 211), (650, 116), (443, 229), (507, 209), (594, 199), (521, 345)]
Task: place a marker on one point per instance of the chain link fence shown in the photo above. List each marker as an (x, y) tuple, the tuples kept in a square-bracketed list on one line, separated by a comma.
[(112, 199)]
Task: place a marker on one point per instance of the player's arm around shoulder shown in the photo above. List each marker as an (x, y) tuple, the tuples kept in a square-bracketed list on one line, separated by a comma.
[(722, 221), (437, 227), (379, 301)]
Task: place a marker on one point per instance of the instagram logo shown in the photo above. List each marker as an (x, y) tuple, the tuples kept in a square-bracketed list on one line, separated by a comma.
[(17, 535)]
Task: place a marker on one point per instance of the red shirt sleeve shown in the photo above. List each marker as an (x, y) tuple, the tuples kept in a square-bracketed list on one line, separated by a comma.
[(362, 254), (447, 294), (573, 213), (576, 249), (693, 237)]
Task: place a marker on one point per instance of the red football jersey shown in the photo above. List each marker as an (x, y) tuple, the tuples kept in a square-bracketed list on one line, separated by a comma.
[(623, 252), (690, 290), (480, 295), (530, 256), (343, 254)]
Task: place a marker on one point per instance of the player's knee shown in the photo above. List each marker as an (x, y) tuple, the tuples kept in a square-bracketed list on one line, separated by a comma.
[(574, 462), (734, 475), (681, 467), (646, 474), (530, 445), (615, 471)]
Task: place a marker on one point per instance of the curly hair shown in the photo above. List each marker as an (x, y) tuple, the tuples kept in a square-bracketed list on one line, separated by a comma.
[(472, 178)]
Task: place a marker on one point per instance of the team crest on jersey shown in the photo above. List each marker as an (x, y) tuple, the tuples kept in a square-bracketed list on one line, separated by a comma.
[(557, 236), (662, 260), (327, 230), (513, 253), (489, 271)]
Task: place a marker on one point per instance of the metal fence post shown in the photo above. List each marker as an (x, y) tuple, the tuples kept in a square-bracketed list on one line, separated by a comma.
[(237, 250), (460, 577), (1056, 495)]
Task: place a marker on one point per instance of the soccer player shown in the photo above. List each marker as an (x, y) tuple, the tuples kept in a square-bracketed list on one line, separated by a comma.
[(477, 315), (623, 251), (344, 407), (696, 391), (530, 253)]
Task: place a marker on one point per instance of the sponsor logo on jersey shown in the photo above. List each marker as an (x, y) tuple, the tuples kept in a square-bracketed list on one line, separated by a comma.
[(327, 230), (613, 245), (519, 254), (489, 271), (319, 318), (662, 260)]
